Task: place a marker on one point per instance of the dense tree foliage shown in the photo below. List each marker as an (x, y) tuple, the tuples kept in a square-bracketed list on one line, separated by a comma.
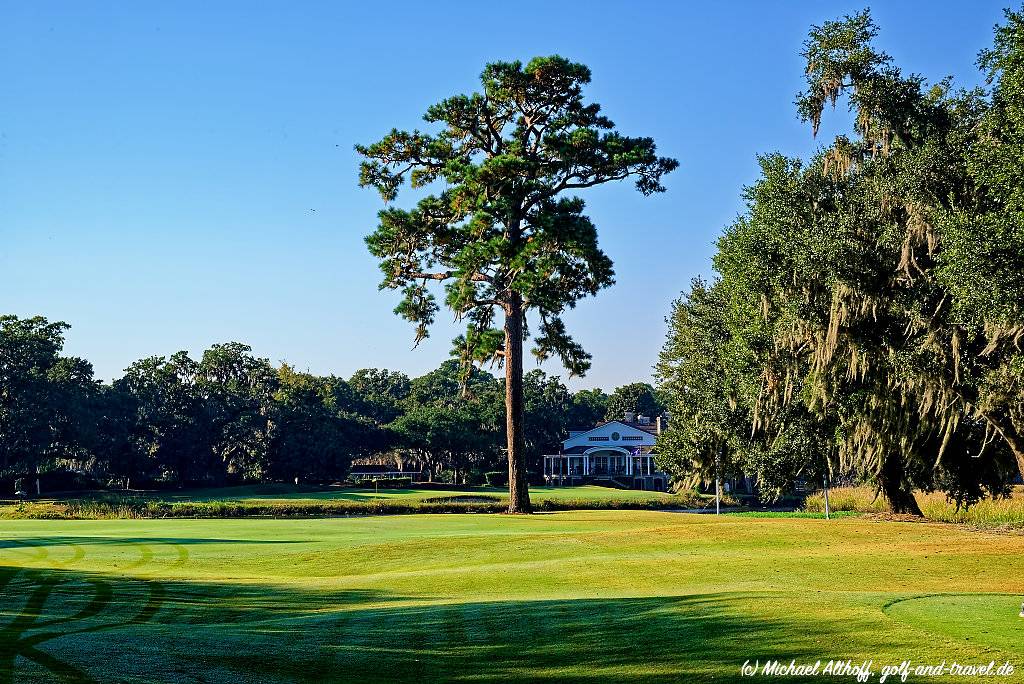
[(869, 313), (44, 397), (231, 417), (504, 232), (314, 433), (377, 394), (588, 408), (638, 398), (709, 370)]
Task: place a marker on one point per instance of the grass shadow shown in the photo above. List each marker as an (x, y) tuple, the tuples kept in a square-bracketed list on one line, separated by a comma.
[(82, 627), (72, 541)]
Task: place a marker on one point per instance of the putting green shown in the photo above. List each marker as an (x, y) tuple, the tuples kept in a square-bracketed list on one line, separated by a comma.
[(576, 596), (987, 620)]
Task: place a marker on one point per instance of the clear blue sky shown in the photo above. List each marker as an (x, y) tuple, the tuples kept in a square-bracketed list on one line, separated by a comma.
[(178, 174)]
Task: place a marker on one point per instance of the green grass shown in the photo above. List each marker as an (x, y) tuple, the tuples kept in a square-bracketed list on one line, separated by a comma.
[(603, 596), (288, 501), (991, 619), (792, 514)]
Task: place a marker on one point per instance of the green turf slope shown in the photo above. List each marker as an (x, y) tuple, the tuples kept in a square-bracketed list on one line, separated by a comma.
[(596, 596)]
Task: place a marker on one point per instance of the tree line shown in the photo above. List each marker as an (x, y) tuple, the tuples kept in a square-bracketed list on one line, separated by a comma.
[(867, 313), (230, 417)]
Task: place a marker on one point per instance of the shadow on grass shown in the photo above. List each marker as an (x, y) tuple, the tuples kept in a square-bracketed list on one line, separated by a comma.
[(33, 542), (58, 625), (143, 546), (104, 621)]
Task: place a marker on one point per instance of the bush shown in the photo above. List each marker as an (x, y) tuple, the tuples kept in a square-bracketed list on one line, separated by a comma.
[(386, 483), (496, 478), (445, 476), (141, 507), (60, 480)]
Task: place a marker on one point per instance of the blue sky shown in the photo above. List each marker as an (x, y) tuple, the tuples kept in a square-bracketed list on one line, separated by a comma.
[(178, 174)]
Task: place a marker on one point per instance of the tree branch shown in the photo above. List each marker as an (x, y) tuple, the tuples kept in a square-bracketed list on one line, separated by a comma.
[(445, 275)]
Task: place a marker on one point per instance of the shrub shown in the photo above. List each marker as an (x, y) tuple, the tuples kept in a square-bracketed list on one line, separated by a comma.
[(463, 498), (141, 507), (59, 480), (496, 478), (385, 483)]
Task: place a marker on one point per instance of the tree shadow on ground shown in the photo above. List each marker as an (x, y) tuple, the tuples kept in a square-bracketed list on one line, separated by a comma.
[(59, 625), (45, 615), (24, 542)]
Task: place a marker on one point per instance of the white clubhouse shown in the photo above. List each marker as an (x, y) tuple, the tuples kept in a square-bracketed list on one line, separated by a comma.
[(617, 450)]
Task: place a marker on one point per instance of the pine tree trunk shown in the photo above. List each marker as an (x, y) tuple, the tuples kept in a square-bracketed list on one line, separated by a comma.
[(518, 487)]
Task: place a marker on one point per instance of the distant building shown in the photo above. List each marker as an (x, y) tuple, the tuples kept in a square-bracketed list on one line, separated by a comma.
[(618, 450)]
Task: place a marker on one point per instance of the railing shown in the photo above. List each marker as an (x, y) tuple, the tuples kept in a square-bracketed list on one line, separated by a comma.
[(611, 472), (598, 471)]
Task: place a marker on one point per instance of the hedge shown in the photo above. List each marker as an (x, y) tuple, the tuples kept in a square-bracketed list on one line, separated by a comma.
[(385, 483), (139, 508)]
